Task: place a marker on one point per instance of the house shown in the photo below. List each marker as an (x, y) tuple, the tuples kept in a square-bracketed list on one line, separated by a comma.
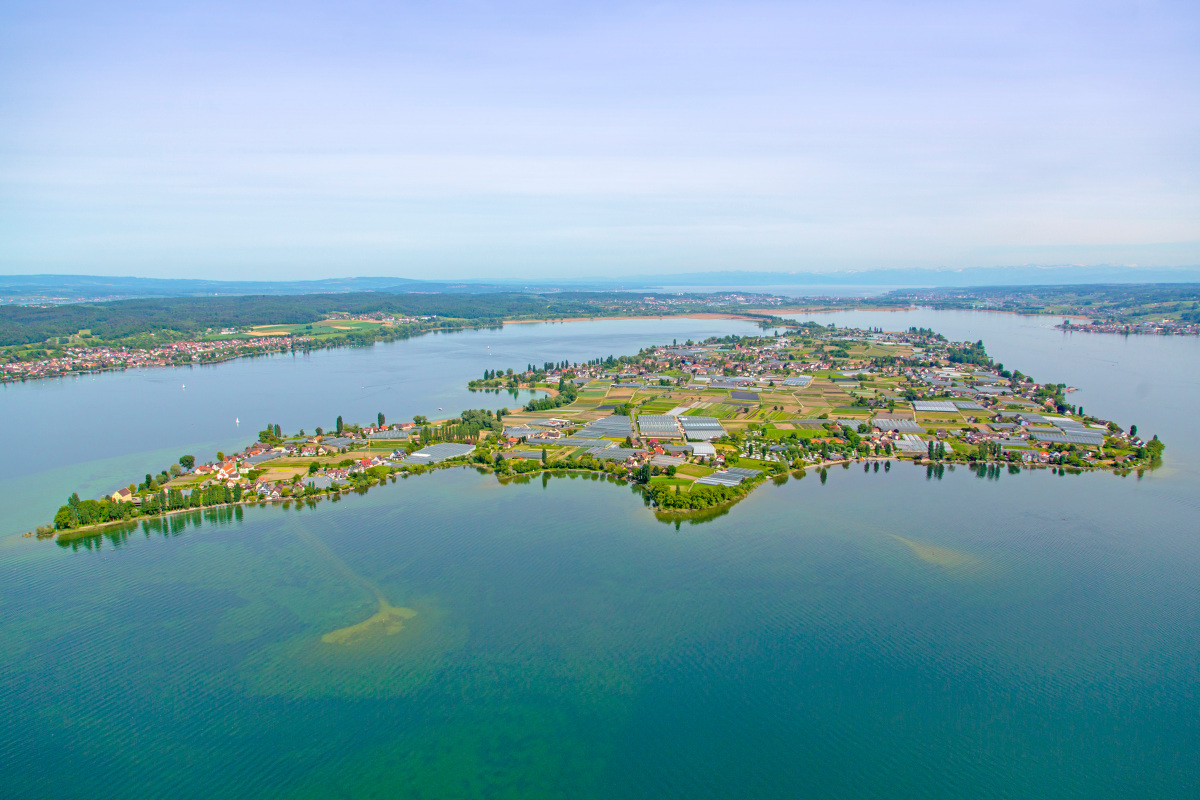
[(122, 496)]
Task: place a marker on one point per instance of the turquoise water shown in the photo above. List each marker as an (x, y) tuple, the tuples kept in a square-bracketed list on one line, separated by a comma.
[(96, 432), (884, 634)]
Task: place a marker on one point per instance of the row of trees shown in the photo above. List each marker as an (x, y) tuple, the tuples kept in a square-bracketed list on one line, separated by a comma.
[(78, 513), (670, 498), (970, 354), (520, 466), (189, 316), (464, 429), (568, 392)]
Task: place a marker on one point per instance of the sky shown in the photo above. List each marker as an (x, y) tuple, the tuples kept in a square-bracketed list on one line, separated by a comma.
[(576, 140)]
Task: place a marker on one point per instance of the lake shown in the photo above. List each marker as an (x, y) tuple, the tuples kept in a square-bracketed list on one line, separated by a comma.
[(96, 432), (880, 634)]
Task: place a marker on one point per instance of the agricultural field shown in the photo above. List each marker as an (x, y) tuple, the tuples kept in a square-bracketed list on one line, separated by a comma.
[(317, 330)]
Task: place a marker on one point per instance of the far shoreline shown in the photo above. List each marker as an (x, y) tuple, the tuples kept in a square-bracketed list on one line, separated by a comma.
[(693, 315)]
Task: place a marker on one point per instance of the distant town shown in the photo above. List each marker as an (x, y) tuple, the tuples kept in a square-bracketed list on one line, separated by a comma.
[(692, 426), (1163, 309), (47, 341), (160, 335)]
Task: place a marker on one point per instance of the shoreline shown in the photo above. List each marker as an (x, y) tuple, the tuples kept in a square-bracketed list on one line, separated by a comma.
[(348, 464), (504, 480), (912, 306), (293, 347), (611, 318), (751, 315)]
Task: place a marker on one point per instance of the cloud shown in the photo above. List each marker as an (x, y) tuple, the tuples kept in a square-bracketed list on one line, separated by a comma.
[(614, 137)]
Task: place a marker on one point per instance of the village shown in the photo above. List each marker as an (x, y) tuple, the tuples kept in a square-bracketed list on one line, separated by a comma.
[(83, 352), (1161, 327), (158, 345), (692, 425), (85, 359)]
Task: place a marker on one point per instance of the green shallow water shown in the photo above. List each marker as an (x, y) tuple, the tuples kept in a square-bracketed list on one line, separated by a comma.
[(813, 642), (880, 635)]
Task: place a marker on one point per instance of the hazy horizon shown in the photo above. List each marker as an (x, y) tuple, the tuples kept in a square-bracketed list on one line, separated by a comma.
[(536, 141)]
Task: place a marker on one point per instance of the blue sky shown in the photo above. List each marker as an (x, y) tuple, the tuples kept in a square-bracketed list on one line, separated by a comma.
[(487, 140)]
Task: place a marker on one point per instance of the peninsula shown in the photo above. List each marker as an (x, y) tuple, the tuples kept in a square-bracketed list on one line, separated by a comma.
[(46, 341), (693, 426), (49, 340)]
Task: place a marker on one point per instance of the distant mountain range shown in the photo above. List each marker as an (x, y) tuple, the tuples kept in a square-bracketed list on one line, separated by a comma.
[(94, 288), (974, 276), (75, 288)]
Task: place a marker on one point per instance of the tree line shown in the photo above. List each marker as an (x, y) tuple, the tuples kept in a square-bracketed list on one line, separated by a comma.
[(191, 315)]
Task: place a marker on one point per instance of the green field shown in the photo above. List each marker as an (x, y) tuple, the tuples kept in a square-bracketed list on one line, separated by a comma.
[(662, 480), (318, 330)]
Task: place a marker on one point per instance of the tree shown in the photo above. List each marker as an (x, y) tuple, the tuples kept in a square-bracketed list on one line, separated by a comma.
[(1133, 430), (543, 455), (419, 419), (340, 426), (381, 419), (220, 456), (187, 462), (1154, 448), (278, 431), (319, 431)]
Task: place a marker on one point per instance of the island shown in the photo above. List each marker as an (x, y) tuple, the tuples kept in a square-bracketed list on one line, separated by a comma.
[(693, 427)]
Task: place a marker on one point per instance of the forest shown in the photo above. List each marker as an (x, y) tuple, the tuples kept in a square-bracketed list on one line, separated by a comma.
[(190, 316), (1109, 302)]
